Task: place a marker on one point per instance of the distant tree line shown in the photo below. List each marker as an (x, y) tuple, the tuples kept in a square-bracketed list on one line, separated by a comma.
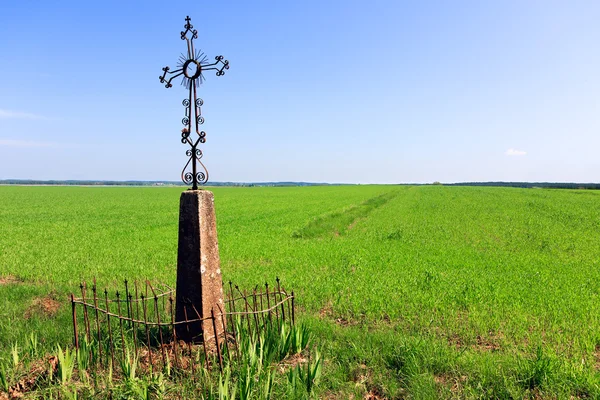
[(546, 185), (34, 182), (82, 183)]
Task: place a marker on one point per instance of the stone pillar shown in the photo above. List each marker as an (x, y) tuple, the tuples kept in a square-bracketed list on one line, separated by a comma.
[(199, 284)]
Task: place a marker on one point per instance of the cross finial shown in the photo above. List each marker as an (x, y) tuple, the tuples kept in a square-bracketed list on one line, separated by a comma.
[(191, 67)]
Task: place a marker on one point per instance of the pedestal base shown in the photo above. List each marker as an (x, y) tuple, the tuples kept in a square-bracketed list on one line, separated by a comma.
[(199, 283)]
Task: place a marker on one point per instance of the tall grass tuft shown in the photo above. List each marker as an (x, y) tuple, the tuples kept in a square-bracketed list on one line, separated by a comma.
[(66, 363), (86, 354), (33, 344), (302, 380), (226, 389), (4, 382), (14, 352), (129, 365), (536, 371)]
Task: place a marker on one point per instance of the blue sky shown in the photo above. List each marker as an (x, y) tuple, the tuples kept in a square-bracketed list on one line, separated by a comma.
[(320, 91)]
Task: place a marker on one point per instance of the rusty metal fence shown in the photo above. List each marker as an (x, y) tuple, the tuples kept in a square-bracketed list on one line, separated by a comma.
[(139, 323)]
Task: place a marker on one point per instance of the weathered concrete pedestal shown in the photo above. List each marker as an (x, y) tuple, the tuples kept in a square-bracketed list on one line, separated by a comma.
[(199, 283)]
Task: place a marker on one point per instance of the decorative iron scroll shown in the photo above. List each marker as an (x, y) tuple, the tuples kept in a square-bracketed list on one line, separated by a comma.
[(191, 67)]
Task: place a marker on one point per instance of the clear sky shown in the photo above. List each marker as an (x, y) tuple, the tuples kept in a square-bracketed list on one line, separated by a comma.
[(320, 91)]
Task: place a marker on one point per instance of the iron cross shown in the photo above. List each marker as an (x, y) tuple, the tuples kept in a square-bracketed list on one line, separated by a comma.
[(191, 66)]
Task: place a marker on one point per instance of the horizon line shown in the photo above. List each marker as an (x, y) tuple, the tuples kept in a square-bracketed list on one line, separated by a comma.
[(177, 183)]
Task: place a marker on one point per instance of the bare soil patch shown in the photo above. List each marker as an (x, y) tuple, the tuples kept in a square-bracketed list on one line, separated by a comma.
[(374, 394), (326, 310), (38, 372), (454, 383), (292, 361), (490, 342), (46, 306), (597, 357), (9, 280)]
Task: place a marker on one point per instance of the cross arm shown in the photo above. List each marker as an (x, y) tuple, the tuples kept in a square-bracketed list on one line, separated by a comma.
[(219, 65), (167, 70)]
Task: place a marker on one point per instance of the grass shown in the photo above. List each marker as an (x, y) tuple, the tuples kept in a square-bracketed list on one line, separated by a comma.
[(420, 292), (278, 362)]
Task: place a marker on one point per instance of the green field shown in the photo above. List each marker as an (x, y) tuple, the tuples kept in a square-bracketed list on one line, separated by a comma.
[(410, 291)]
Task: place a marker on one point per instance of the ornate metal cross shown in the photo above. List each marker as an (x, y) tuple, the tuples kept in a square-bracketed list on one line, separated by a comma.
[(191, 66)]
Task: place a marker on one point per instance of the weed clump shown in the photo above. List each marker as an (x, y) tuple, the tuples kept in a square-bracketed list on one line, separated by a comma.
[(273, 363)]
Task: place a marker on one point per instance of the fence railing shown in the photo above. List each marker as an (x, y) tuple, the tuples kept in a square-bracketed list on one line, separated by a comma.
[(139, 322)]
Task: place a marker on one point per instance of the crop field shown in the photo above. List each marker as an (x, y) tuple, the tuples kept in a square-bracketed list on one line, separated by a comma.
[(409, 291)]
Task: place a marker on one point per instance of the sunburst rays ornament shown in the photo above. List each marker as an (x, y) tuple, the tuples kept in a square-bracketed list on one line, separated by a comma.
[(191, 67)]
